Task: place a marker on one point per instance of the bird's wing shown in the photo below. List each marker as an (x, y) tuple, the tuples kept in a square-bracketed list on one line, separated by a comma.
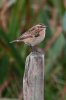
[(25, 35), (29, 34), (34, 32)]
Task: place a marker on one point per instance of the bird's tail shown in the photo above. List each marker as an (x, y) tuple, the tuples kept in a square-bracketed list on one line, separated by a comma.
[(16, 41)]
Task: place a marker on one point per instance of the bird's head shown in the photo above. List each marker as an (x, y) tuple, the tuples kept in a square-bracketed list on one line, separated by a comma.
[(38, 28), (41, 28)]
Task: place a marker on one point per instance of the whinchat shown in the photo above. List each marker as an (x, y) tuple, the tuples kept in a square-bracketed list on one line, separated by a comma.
[(33, 36)]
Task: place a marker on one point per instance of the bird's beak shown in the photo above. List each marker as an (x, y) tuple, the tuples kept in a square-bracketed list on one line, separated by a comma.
[(45, 26)]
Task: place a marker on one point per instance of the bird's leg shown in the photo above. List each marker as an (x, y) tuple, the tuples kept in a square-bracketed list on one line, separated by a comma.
[(34, 49)]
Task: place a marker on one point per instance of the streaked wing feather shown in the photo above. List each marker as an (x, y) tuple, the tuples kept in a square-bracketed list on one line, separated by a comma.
[(25, 35), (29, 34)]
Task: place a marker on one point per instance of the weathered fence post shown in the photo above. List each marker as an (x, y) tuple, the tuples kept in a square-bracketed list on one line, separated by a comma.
[(33, 80)]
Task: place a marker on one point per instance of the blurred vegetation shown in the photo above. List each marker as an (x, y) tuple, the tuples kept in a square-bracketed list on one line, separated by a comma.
[(17, 16)]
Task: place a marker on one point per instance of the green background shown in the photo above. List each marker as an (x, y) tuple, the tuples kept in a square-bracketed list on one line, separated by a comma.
[(19, 17)]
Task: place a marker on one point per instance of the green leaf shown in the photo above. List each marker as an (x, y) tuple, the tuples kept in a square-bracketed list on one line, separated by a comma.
[(14, 52), (16, 16), (53, 54), (1, 3), (3, 68), (64, 22)]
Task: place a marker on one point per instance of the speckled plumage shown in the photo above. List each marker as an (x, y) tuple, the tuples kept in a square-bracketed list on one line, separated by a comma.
[(33, 36)]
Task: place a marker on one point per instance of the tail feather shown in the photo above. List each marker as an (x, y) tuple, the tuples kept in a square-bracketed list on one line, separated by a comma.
[(16, 41)]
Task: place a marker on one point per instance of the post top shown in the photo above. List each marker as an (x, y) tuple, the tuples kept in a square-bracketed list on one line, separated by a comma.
[(36, 54)]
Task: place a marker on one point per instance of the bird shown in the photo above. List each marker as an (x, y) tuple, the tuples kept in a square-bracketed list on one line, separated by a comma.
[(33, 36)]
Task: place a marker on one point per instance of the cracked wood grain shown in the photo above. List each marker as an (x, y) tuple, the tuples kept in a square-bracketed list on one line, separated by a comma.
[(33, 80)]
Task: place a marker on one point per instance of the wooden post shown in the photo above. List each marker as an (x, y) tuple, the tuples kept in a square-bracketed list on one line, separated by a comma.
[(33, 80)]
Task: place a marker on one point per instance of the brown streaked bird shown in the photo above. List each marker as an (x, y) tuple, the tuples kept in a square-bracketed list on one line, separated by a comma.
[(33, 36)]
